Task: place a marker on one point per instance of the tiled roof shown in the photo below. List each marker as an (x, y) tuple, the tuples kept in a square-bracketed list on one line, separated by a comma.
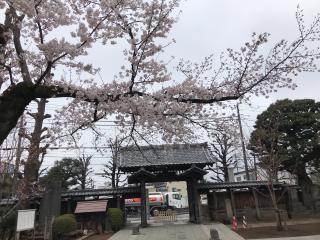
[(100, 192), (158, 155), (91, 206), (244, 184)]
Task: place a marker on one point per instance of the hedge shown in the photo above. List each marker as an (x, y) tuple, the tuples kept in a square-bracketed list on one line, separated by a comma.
[(64, 224), (115, 216)]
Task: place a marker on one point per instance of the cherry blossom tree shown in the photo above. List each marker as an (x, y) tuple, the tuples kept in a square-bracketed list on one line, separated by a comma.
[(33, 52), (37, 146)]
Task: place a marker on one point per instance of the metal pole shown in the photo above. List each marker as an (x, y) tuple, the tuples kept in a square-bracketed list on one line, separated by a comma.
[(243, 145)]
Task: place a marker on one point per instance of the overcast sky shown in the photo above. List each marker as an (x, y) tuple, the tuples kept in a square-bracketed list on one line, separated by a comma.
[(212, 26), (207, 26)]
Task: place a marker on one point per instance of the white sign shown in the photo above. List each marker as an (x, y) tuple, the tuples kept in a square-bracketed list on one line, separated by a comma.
[(26, 219)]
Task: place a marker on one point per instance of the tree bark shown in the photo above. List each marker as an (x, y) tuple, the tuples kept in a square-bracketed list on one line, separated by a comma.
[(276, 209), (18, 157), (32, 165), (113, 175), (279, 220), (225, 171), (12, 105), (16, 98), (305, 184)]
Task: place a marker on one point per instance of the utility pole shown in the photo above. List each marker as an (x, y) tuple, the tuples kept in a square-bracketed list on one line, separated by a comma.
[(243, 146), (255, 166)]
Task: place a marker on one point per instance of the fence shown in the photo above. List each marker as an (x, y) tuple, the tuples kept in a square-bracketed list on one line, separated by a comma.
[(166, 216)]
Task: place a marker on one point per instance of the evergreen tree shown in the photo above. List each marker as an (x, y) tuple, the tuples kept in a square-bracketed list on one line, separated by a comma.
[(69, 172), (296, 131)]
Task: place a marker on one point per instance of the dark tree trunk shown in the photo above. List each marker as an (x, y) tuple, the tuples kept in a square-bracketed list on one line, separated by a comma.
[(305, 184), (31, 170), (12, 105), (113, 175), (32, 165), (83, 181), (83, 184), (226, 173), (279, 220), (16, 98)]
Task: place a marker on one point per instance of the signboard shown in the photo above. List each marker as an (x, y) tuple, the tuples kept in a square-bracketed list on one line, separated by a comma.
[(26, 219)]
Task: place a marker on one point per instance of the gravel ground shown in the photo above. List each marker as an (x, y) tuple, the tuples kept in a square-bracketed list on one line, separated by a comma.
[(271, 232)]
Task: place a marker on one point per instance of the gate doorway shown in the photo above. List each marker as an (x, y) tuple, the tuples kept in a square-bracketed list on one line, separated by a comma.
[(166, 202), (166, 163)]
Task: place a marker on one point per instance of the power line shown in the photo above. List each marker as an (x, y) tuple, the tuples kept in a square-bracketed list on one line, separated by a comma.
[(60, 148), (91, 164)]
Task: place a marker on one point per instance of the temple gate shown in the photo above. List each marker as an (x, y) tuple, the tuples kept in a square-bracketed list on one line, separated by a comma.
[(164, 163)]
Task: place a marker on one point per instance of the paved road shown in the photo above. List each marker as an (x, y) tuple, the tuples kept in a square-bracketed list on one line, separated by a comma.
[(177, 231), (314, 237)]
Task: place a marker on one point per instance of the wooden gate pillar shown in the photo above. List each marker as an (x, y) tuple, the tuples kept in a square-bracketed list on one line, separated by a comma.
[(118, 201), (193, 201), (233, 203), (197, 204), (190, 201), (256, 204), (211, 205), (123, 208), (144, 222)]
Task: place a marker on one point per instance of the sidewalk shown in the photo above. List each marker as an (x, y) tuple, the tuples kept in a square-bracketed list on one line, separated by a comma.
[(178, 232), (314, 237), (225, 232)]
